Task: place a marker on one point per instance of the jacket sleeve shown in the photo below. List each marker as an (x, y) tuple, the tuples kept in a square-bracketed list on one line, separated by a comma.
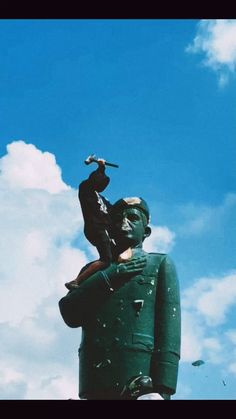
[(80, 304), (167, 330), (98, 178)]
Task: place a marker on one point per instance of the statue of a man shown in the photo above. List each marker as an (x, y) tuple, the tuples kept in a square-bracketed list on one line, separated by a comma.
[(130, 317)]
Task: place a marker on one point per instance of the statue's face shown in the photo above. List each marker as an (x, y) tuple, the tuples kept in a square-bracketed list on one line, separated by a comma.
[(129, 227)]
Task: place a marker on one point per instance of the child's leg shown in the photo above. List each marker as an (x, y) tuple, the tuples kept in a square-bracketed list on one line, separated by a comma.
[(104, 250), (95, 266)]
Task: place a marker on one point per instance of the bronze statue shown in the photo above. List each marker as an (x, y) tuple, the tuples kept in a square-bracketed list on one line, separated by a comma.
[(130, 316), (97, 220)]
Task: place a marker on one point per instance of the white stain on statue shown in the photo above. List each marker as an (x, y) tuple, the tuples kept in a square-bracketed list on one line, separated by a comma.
[(103, 207)]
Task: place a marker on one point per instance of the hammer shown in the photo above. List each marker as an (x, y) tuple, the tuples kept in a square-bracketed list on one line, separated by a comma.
[(92, 158)]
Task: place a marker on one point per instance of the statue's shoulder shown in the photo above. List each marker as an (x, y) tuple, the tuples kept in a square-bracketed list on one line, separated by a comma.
[(160, 257), (156, 255)]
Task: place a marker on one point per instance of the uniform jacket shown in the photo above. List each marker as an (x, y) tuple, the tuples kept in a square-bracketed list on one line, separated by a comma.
[(132, 331)]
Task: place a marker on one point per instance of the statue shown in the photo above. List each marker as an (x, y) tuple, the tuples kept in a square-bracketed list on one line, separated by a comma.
[(97, 220), (129, 312)]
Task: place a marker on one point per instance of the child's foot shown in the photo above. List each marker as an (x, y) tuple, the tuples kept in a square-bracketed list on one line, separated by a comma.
[(71, 285)]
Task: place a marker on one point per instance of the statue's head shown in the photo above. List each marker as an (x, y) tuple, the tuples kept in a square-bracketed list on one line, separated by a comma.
[(130, 218)]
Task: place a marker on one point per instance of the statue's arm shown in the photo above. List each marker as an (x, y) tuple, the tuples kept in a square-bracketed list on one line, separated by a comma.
[(95, 179), (167, 330), (80, 304)]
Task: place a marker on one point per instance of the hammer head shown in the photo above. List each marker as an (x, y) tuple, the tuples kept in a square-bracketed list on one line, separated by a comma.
[(90, 159)]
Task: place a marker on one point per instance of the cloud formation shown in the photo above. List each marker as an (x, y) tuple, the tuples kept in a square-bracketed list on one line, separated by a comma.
[(205, 309), (197, 220), (161, 240), (39, 219), (212, 297), (216, 39), (27, 167)]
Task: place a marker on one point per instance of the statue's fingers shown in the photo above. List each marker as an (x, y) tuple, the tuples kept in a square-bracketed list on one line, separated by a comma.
[(136, 261), (140, 263), (137, 270), (138, 258)]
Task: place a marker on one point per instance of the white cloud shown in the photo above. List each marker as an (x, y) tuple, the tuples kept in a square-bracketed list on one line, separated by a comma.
[(37, 231), (214, 349), (212, 297), (27, 167), (161, 240), (212, 343), (232, 368), (192, 334), (61, 383), (216, 39), (12, 384), (40, 218), (43, 381), (231, 335), (206, 317), (37, 257), (40, 334), (199, 219)]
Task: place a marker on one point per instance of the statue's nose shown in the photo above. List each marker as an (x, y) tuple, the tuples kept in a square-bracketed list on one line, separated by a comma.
[(126, 225)]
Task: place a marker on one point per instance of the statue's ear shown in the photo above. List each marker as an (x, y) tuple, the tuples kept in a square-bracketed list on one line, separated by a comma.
[(147, 232)]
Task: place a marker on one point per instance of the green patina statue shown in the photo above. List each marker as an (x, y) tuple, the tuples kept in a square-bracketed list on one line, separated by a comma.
[(130, 316)]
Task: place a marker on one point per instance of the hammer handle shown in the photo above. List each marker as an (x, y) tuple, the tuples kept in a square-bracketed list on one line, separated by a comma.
[(111, 164), (106, 163)]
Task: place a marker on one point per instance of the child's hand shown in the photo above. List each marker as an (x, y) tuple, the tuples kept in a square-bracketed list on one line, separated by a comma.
[(101, 162)]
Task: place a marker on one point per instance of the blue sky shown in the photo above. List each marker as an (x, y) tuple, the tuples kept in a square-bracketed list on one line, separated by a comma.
[(158, 98)]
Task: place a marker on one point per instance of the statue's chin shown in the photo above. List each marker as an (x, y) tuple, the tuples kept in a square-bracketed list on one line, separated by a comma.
[(126, 243)]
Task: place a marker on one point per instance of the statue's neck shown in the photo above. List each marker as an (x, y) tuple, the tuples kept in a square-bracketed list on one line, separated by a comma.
[(135, 249)]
